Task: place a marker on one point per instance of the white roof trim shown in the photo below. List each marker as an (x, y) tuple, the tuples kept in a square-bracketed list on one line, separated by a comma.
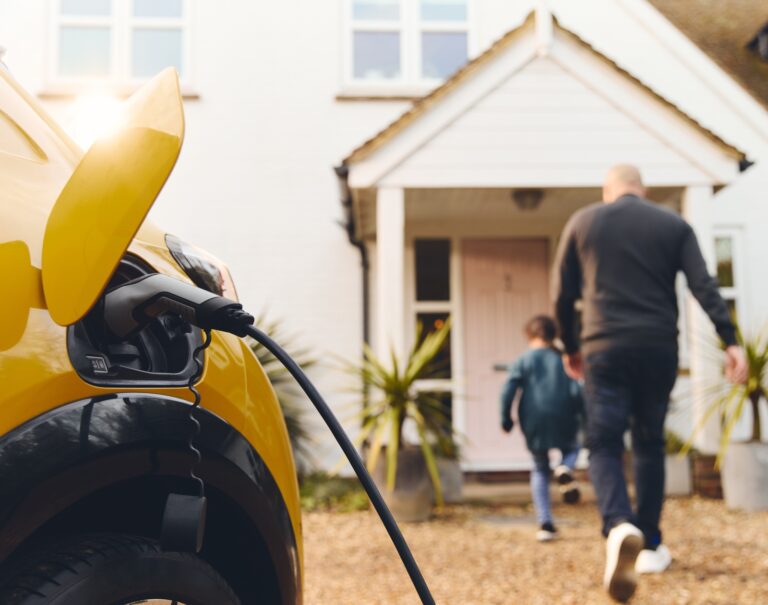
[(639, 104), (720, 82)]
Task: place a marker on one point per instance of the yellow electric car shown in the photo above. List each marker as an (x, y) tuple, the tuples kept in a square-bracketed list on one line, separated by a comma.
[(94, 428)]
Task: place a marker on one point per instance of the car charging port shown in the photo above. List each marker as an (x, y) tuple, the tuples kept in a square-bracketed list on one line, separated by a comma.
[(159, 354)]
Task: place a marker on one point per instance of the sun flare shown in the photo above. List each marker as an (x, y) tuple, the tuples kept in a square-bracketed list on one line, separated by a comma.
[(92, 116)]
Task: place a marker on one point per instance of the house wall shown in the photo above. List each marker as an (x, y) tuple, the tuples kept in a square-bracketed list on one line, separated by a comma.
[(264, 127)]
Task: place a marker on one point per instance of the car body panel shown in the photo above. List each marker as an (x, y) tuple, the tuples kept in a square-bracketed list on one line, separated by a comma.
[(34, 362)]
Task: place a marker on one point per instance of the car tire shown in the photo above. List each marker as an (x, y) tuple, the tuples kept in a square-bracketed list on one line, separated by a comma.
[(112, 569)]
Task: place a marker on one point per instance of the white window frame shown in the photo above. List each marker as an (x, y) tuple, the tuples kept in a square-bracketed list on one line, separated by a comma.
[(410, 27), (737, 292), (121, 24), (435, 385)]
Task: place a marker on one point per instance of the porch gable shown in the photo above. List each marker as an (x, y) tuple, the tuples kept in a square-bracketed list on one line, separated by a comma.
[(536, 111)]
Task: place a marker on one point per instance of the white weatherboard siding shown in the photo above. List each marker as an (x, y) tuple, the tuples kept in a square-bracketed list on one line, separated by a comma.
[(542, 125)]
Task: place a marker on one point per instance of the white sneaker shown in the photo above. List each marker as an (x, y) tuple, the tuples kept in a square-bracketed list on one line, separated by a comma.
[(622, 547), (653, 561), (547, 532)]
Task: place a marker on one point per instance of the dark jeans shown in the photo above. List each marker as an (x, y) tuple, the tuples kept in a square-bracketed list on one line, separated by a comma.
[(629, 389)]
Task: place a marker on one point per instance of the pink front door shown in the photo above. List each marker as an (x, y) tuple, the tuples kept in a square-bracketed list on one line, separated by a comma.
[(505, 282)]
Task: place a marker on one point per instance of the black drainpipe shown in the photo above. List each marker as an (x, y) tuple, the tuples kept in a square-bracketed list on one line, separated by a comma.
[(342, 173), (345, 194)]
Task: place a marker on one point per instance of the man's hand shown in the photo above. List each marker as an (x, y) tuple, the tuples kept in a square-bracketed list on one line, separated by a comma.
[(507, 425), (574, 365), (735, 365)]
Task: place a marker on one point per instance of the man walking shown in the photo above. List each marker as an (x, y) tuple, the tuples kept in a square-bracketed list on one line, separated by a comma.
[(621, 259)]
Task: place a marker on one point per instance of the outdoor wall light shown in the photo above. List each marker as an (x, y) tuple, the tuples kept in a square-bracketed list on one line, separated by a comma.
[(527, 199)]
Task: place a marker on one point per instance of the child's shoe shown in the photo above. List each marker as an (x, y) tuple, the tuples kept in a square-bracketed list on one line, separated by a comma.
[(547, 532), (569, 489)]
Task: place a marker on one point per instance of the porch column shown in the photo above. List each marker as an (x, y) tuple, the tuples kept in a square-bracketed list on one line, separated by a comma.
[(705, 370), (390, 272)]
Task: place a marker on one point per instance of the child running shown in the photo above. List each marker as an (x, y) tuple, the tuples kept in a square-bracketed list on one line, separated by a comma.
[(549, 413)]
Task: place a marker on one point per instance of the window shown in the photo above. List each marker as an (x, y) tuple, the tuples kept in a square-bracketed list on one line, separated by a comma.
[(119, 41), (726, 260), (407, 42), (433, 269), (432, 261)]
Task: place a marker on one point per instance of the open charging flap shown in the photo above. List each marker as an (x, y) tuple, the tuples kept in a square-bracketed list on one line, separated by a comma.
[(108, 196)]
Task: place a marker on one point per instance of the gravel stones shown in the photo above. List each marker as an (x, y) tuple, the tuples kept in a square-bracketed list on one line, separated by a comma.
[(487, 555)]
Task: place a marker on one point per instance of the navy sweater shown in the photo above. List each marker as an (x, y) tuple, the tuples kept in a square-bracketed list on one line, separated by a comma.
[(621, 260)]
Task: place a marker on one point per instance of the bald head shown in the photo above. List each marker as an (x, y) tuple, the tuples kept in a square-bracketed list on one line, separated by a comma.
[(622, 179)]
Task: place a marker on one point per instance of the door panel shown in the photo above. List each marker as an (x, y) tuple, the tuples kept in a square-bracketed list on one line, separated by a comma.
[(505, 282)]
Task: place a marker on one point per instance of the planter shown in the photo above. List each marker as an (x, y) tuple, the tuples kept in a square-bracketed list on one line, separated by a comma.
[(451, 479), (745, 476), (412, 498), (706, 477), (678, 481)]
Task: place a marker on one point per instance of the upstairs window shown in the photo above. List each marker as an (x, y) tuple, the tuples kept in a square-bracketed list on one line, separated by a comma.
[(406, 42), (119, 41)]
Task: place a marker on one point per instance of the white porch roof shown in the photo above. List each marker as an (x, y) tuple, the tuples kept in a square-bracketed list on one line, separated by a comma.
[(540, 108)]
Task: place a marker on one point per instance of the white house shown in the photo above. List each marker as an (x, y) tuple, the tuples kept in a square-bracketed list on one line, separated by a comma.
[(366, 164)]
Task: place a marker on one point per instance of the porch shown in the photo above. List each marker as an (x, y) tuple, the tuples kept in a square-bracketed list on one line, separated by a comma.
[(462, 200)]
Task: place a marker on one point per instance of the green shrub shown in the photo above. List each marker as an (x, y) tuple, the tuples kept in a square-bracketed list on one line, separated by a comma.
[(321, 492)]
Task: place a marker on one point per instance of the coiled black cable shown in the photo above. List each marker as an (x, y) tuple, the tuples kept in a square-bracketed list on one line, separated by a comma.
[(194, 423), (354, 459)]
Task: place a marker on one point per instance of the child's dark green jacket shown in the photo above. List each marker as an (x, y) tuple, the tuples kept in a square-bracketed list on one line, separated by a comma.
[(551, 404)]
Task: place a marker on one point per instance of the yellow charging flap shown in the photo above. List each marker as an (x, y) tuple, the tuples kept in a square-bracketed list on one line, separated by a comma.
[(105, 201)]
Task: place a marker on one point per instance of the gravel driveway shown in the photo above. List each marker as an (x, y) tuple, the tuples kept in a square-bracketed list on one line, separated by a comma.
[(487, 555)]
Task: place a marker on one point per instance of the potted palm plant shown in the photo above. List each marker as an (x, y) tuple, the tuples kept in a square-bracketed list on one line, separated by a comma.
[(406, 472), (743, 464)]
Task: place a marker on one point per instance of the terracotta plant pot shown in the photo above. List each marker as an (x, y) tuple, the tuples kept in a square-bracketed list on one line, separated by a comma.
[(745, 476), (413, 496), (706, 477)]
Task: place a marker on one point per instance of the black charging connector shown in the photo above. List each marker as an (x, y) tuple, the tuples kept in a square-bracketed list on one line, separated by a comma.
[(130, 306)]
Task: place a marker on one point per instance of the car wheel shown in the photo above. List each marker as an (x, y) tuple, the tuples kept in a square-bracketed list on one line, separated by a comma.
[(113, 569)]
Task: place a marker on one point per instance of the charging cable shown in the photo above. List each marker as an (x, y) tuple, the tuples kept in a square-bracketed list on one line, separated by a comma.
[(130, 306)]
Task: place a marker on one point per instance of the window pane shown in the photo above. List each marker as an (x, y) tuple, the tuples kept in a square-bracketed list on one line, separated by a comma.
[(433, 271), (89, 8), (154, 50), (376, 10), (444, 10), (429, 323), (442, 53), (158, 8), (724, 256), (84, 51), (376, 55)]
